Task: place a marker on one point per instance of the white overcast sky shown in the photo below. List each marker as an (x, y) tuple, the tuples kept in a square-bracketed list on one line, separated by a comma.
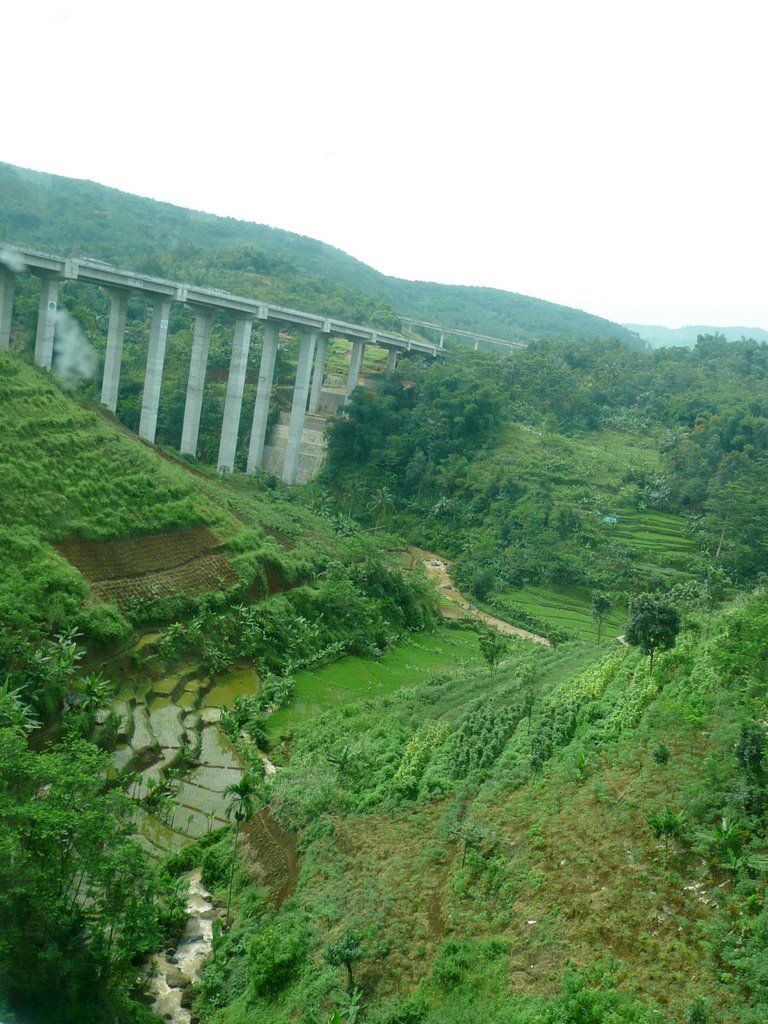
[(606, 154)]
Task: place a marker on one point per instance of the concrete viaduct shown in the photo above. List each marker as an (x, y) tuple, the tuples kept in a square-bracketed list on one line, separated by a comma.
[(455, 332), (315, 330)]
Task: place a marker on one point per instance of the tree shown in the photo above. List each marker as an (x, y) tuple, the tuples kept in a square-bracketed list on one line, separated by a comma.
[(474, 837), (526, 673), (379, 503), (601, 606), (750, 751), (653, 625), (667, 825), (240, 806), (14, 712), (345, 951), (493, 647), (78, 901)]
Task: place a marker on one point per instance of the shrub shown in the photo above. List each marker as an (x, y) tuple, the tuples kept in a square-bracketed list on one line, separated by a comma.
[(274, 955), (103, 625), (215, 863)]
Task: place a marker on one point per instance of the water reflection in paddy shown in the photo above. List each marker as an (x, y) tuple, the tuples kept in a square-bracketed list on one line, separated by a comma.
[(172, 718)]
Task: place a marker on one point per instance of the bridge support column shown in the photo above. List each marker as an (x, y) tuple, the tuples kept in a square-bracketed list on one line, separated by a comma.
[(442, 341), (7, 282), (46, 321), (234, 400), (113, 356), (477, 346), (298, 407), (153, 376), (358, 348), (391, 360), (321, 351), (263, 395), (193, 406)]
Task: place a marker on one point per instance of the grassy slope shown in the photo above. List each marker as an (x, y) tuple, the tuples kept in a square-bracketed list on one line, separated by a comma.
[(568, 609), (577, 878), (45, 210), (69, 471)]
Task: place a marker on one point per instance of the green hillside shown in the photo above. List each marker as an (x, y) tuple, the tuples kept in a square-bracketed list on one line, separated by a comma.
[(84, 218), (99, 531), (599, 858)]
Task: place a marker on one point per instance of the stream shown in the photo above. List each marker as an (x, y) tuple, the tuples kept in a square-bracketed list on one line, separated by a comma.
[(173, 975)]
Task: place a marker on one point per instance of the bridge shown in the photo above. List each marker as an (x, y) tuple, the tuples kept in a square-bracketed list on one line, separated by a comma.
[(455, 332), (315, 331)]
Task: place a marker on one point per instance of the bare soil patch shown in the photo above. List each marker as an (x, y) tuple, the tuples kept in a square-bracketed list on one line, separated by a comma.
[(151, 566), (270, 855)]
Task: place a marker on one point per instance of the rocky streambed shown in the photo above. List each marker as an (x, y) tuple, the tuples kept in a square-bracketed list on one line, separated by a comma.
[(172, 975)]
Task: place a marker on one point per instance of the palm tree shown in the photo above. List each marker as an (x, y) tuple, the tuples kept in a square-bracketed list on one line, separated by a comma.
[(240, 807), (381, 500)]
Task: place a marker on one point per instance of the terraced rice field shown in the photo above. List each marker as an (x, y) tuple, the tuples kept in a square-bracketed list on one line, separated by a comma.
[(657, 537), (162, 716), (567, 609), (352, 679)]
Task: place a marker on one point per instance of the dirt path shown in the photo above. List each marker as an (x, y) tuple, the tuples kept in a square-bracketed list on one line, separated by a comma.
[(437, 570)]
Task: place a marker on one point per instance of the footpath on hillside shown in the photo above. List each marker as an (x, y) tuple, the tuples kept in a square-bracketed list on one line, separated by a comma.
[(438, 570)]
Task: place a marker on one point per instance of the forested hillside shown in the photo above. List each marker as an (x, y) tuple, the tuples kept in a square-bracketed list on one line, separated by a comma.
[(567, 470), (83, 218)]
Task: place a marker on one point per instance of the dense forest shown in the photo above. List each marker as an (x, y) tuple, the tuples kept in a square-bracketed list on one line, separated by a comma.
[(422, 815)]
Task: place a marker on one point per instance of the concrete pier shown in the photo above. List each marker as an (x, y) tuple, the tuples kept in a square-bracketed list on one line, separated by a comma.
[(392, 360), (153, 376), (321, 351), (193, 406), (299, 407), (113, 356), (358, 348), (263, 393), (7, 282), (46, 320), (234, 400)]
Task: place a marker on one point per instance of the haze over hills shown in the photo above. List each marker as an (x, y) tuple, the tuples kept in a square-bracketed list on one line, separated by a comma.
[(85, 218), (658, 336)]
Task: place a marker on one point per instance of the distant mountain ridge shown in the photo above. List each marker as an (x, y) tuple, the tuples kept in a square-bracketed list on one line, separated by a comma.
[(82, 218), (659, 337)]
